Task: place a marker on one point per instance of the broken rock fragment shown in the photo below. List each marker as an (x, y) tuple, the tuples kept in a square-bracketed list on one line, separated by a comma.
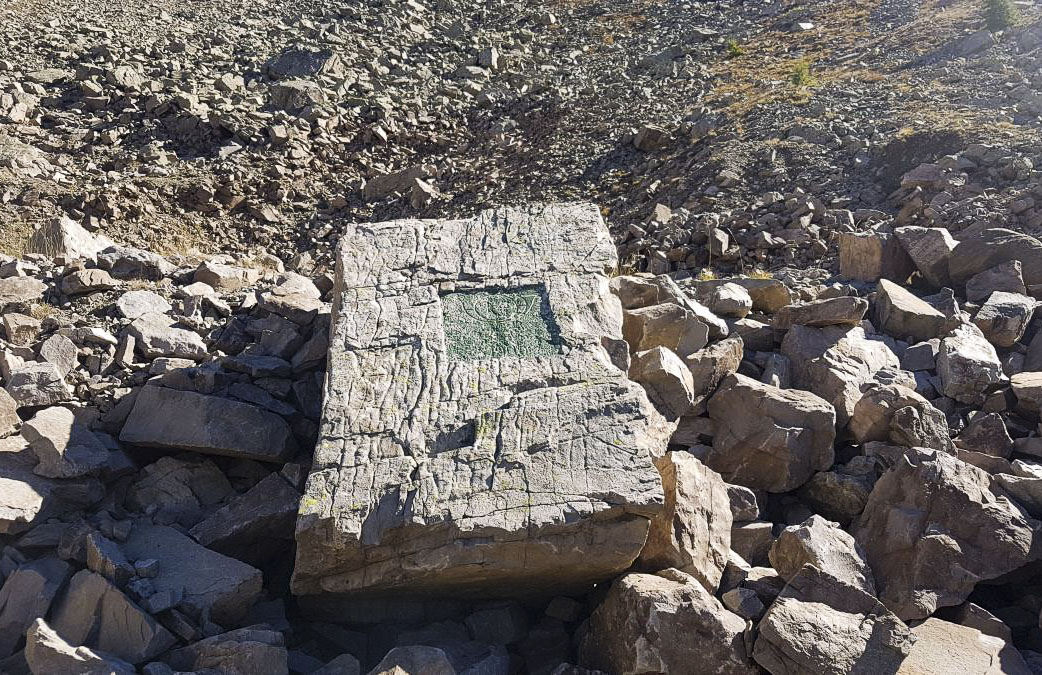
[(834, 362), (664, 623), (46, 653), (968, 365), (826, 546), (168, 418), (94, 613), (935, 512), (693, 533), (820, 624), (769, 438)]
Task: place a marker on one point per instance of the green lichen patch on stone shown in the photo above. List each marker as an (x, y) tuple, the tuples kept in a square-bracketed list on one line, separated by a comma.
[(499, 324)]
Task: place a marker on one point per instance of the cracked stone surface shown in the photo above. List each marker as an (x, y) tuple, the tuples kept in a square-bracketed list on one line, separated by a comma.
[(446, 464)]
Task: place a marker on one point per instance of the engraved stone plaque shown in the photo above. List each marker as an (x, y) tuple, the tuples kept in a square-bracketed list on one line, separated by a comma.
[(494, 324), (476, 437)]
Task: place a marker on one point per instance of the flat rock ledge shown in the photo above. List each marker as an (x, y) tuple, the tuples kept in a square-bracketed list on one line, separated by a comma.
[(476, 436)]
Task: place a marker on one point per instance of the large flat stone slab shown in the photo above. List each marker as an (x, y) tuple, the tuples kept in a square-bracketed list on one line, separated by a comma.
[(169, 418), (476, 437)]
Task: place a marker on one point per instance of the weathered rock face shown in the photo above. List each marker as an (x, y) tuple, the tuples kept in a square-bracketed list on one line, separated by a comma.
[(942, 648), (929, 248), (169, 418), (475, 435), (825, 545), (768, 438), (993, 247), (94, 613), (968, 365), (934, 512), (893, 413), (1004, 317), (665, 623), (693, 533), (26, 596), (903, 315), (819, 624), (834, 362), (47, 653)]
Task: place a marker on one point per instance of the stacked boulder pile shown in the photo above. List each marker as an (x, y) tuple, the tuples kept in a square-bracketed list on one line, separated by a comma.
[(829, 474)]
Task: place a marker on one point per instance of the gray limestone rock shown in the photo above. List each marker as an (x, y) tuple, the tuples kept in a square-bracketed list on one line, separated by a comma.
[(46, 653), (933, 512), (168, 418), (968, 365), (64, 448), (220, 586), (1004, 317), (834, 363), (94, 613), (475, 434), (158, 335), (841, 311), (37, 384), (135, 304), (246, 651), (993, 247), (899, 313), (929, 248), (820, 624), (666, 379), (693, 533), (768, 438), (1007, 276), (943, 648), (249, 525), (26, 596), (664, 623), (825, 545)]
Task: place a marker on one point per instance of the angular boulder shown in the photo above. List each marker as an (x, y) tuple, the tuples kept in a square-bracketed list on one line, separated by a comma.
[(820, 624), (664, 623), (95, 614), (944, 648), (463, 451), (46, 653), (666, 325), (64, 448), (826, 546), (1007, 277), (968, 365), (246, 651), (666, 379), (929, 248), (253, 523), (693, 533), (222, 587), (869, 256), (1004, 317), (769, 438), (169, 418), (896, 414), (903, 315), (933, 512), (842, 311), (993, 247), (26, 596), (66, 238), (834, 362)]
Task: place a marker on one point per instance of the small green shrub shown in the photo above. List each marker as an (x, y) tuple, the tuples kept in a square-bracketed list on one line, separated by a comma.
[(801, 76), (734, 49), (1000, 14)]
